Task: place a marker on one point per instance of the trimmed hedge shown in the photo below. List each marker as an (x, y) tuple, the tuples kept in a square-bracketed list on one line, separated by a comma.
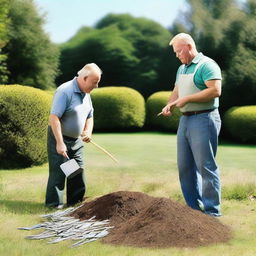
[(24, 115), (118, 108), (154, 105), (240, 123)]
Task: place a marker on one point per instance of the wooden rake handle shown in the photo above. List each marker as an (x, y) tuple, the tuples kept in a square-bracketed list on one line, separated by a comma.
[(104, 150)]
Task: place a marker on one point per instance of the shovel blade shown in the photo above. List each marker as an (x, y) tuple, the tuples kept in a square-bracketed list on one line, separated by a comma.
[(71, 168)]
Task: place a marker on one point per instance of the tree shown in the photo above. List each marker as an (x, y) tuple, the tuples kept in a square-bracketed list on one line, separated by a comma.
[(239, 46), (250, 8), (107, 48), (150, 41), (206, 21), (32, 58), (3, 40), (131, 51)]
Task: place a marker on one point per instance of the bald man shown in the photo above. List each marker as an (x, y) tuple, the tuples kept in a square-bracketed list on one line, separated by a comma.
[(196, 94), (71, 119)]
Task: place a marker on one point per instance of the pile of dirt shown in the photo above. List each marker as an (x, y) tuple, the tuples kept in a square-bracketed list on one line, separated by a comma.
[(140, 220)]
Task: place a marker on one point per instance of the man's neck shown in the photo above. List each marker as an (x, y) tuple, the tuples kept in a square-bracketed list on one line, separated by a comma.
[(79, 83), (193, 55)]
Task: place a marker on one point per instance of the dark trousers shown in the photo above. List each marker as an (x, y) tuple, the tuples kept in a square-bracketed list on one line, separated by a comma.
[(56, 182)]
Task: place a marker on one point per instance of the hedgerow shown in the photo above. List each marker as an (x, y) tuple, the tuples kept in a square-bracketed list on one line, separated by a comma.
[(240, 123), (154, 105), (24, 115), (118, 108)]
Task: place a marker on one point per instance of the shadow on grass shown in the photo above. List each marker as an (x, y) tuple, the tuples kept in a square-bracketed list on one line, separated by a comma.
[(23, 207)]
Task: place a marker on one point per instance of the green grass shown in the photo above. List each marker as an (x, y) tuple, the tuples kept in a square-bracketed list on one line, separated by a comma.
[(147, 163)]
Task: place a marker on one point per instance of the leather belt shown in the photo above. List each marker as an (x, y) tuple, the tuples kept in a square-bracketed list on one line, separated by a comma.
[(69, 138), (191, 113)]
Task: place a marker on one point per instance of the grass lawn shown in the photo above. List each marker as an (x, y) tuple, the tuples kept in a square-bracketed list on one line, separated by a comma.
[(147, 163)]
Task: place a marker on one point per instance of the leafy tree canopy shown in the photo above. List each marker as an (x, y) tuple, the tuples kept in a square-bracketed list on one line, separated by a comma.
[(240, 42), (107, 48), (32, 58), (4, 8), (131, 52)]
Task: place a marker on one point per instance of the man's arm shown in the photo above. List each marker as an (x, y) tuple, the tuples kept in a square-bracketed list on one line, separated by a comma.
[(212, 91), (56, 129), (87, 132)]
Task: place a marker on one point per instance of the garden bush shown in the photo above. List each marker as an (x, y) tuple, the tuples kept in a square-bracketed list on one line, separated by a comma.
[(154, 105), (240, 123), (118, 108), (24, 115)]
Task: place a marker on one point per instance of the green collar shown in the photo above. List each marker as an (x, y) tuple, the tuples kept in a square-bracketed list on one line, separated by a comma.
[(196, 59)]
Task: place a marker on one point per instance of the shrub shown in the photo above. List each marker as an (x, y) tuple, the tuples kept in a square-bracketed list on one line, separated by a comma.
[(23, 123), (118, 108), (154, 105), (240, 123)]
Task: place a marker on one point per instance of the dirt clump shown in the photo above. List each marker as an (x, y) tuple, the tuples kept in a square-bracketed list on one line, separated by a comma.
[(140, 220)]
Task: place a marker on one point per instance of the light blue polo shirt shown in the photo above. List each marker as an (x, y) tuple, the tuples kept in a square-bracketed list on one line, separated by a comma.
[(209, 70), (73, 107)]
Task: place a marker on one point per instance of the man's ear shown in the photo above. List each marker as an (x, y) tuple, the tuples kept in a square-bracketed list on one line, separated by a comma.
[(190, 47)]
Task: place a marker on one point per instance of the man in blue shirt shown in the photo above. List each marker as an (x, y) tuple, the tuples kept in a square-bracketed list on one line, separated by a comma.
[(196, 94), (71, 119)]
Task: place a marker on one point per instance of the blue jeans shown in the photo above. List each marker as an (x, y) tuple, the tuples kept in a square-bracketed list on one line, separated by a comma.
[(197, 142)]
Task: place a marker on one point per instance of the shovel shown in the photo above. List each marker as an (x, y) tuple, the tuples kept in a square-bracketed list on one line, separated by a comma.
[(71, 168)]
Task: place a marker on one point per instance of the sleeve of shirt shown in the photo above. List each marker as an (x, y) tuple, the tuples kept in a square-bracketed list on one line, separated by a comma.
[(59, 104), (210, 70), (92, 109)]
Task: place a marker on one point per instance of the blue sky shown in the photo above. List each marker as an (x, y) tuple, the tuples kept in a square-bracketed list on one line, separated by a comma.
[(65, 17)]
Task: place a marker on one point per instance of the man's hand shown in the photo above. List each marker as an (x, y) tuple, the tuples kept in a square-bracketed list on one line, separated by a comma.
[(62, 149), (86, 137), (167, 110), (179, 103)]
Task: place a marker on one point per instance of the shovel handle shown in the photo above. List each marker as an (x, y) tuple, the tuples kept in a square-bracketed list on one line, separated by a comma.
[(103, 150), (66, 155)]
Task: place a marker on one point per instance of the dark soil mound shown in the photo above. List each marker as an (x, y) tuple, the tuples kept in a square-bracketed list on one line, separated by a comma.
[(144, 221)]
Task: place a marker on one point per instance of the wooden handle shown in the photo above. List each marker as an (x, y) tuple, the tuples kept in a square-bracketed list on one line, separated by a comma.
[(103, 150)]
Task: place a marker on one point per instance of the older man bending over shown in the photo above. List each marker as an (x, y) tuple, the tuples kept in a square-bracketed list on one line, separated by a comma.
[(71, 116)]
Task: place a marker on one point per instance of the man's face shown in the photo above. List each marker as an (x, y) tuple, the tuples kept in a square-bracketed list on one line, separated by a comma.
[(91, 82), (182, 51)]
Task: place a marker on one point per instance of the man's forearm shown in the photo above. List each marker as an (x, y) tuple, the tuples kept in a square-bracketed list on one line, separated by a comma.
[(87, 132), (174, 95), (88, 128), (56, 128), (203, 96), (212, 91)]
